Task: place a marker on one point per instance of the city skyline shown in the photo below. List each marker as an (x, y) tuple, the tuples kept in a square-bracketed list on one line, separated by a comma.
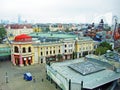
[(58, 11)]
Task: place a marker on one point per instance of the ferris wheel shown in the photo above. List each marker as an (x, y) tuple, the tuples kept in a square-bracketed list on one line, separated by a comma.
[(114, 24)]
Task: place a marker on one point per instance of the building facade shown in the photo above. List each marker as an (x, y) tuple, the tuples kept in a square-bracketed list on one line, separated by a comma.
[(68, 48), (47, 51), (22, 52), (85, 46), (17, 29)]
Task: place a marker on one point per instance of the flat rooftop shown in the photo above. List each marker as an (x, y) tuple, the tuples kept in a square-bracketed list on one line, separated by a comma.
[(90, 80), (86, 68), (53, 35)]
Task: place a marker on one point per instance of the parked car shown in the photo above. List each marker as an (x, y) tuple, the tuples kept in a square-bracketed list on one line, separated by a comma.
[(27, 76)]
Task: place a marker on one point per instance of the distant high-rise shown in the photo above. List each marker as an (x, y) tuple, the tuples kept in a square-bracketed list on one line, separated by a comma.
[(19, 19)]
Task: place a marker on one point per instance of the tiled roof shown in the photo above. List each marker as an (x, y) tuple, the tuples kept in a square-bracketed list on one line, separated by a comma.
[(19, 26)]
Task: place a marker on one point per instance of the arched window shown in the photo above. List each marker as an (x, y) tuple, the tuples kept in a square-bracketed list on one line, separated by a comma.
[(24, 50), (16, 49), (29, 49)]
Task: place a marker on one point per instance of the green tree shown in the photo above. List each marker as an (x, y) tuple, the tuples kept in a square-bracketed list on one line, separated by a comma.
[(67, 30), (59, 56), (2, 33), (101, 50), (107, 45), (74, 55), (118, 50), (47, 29)]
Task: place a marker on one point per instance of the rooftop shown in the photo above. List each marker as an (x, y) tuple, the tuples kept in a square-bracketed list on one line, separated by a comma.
[(18, 26), (53, 35), (90, 81), (23, 38), (87, 67)]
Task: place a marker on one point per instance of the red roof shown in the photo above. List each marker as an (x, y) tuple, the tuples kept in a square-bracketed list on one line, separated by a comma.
[(19, 26), (23, 38)]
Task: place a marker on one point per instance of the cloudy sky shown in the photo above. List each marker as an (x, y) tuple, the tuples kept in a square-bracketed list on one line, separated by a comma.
[(63, 11)]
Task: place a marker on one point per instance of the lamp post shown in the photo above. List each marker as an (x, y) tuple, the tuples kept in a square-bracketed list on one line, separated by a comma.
[(6, 77)]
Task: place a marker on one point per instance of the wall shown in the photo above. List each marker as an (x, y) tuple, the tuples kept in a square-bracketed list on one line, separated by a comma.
[(58, 78)]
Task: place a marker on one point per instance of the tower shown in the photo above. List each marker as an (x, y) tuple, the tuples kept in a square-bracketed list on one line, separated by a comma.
[(19, 19)]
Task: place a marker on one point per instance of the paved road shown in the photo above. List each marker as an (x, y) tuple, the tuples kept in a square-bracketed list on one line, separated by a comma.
[(15, 77)]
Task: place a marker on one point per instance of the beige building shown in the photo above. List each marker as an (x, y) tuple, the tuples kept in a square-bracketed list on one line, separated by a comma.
[(68, 48), (56, 27), (17, 29)]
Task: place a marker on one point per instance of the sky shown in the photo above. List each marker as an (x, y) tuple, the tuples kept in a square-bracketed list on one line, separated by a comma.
[(57, 11)]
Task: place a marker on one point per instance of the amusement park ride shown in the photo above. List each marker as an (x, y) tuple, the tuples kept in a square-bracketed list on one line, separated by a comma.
[(116, 33)]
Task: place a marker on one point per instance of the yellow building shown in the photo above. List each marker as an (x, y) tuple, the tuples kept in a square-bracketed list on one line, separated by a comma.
[(22, 52), (84, 46), (36, 29), (47, 51)]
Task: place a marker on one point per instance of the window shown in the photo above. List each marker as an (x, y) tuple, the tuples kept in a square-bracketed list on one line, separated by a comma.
[(65, 51), (29, 49), (59, 51), (41, 53), (80, 49), (24, 51), (54, 51), (83, 48), (16, 49), (50, 52), (69, 50), (65, 45), (46, 52), (89, 47)]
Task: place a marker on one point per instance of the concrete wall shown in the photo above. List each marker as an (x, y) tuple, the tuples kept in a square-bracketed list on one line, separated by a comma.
[(60, 80)]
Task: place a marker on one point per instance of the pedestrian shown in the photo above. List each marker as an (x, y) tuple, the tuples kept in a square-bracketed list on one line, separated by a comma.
[(34, 79), (42, 79)]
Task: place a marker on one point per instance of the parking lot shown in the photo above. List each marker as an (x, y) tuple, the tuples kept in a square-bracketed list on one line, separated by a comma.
[(16, 81)]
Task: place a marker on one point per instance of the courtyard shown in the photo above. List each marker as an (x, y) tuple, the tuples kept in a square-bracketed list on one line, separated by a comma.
[(16, 81)]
